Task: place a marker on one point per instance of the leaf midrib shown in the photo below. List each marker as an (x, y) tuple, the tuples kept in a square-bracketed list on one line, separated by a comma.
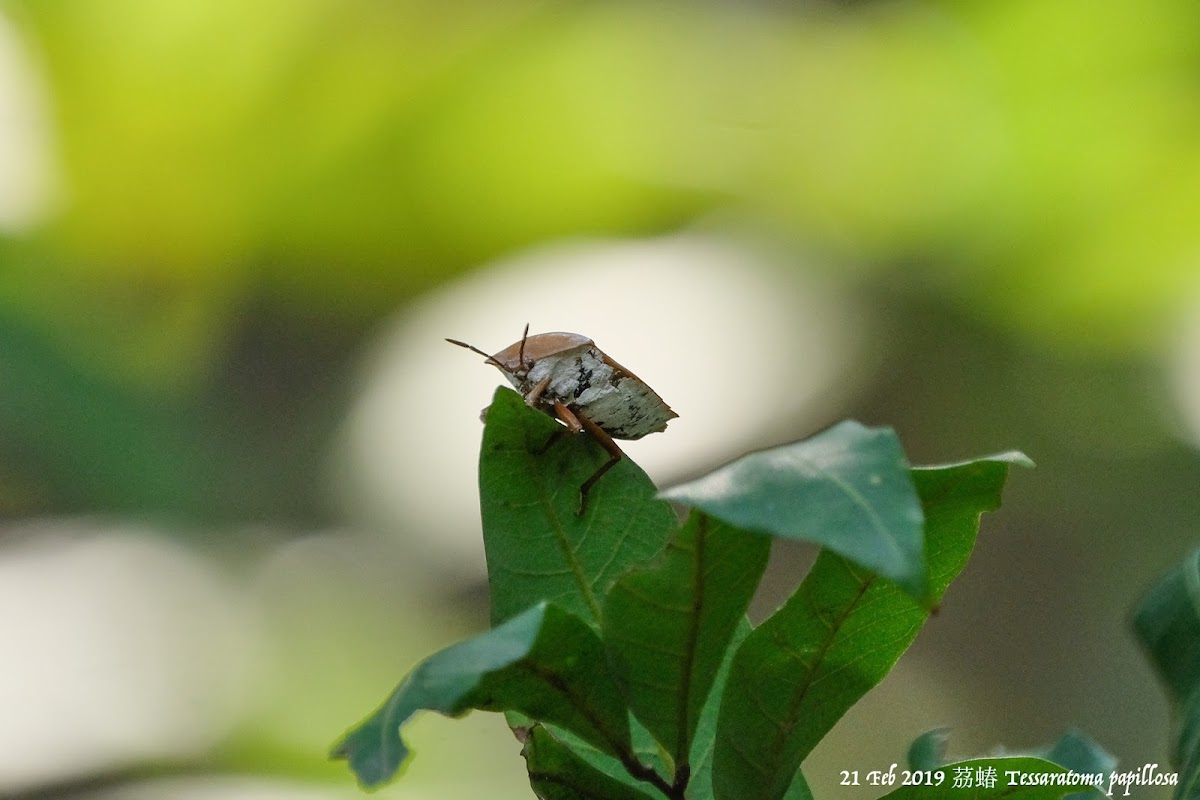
[(682, 745), (560, 537), (776, 752), (775, 755)]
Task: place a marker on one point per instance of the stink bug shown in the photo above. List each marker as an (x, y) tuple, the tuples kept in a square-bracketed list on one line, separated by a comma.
[(568, 377)]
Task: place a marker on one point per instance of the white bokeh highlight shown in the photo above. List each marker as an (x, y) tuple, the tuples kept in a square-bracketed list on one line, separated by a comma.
[(120, 648), (1184, 371), (28, 171), (230, 787), (737, 344)]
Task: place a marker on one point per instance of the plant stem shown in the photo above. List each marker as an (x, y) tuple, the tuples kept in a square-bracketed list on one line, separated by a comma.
[(648, 774), (682, 776), (673, 791)]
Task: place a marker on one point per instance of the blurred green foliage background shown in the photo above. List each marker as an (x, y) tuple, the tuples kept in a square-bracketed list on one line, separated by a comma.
[(209, 211)]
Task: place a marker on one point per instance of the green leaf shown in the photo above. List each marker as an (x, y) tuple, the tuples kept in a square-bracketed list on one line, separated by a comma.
[(646, 751), (537, 547), (1167, 621), (704, 742), (799, 789), (700, 785), (545, 663), (847, 489), (667, 626), (1079, 752), (558, 773), (1073, 751), (1008, 773), (835, 638), (928, 751)]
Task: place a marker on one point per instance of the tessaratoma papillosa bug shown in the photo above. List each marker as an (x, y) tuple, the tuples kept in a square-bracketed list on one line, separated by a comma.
[(568, 377)]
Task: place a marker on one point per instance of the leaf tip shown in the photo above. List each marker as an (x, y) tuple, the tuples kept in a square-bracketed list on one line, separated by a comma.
[(1013, 458), (921, 589), (1016, 458), (373, 760), (928, 751)]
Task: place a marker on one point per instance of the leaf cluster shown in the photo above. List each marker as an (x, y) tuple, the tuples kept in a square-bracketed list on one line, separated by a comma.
[(620, 648), (1167, 622)]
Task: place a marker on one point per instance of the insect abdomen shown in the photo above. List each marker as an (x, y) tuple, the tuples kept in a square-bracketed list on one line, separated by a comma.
[(629, 411), (585, 380)]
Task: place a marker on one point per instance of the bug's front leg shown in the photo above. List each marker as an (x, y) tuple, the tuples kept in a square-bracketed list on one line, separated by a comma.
[(569, 419), (577, 421), (572, 419), (535, 394)]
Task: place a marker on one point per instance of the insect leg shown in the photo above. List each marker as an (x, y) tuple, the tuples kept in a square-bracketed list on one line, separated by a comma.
[(535, 393), (601, 436), (573, 422), (564, 414), (549, 442)]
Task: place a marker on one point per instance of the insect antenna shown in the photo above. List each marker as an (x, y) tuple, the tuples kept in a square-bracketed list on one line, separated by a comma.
[(521, 353), (475, 349)]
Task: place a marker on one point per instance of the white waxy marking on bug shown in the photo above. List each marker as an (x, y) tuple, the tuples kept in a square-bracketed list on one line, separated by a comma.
[(568, 377)]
